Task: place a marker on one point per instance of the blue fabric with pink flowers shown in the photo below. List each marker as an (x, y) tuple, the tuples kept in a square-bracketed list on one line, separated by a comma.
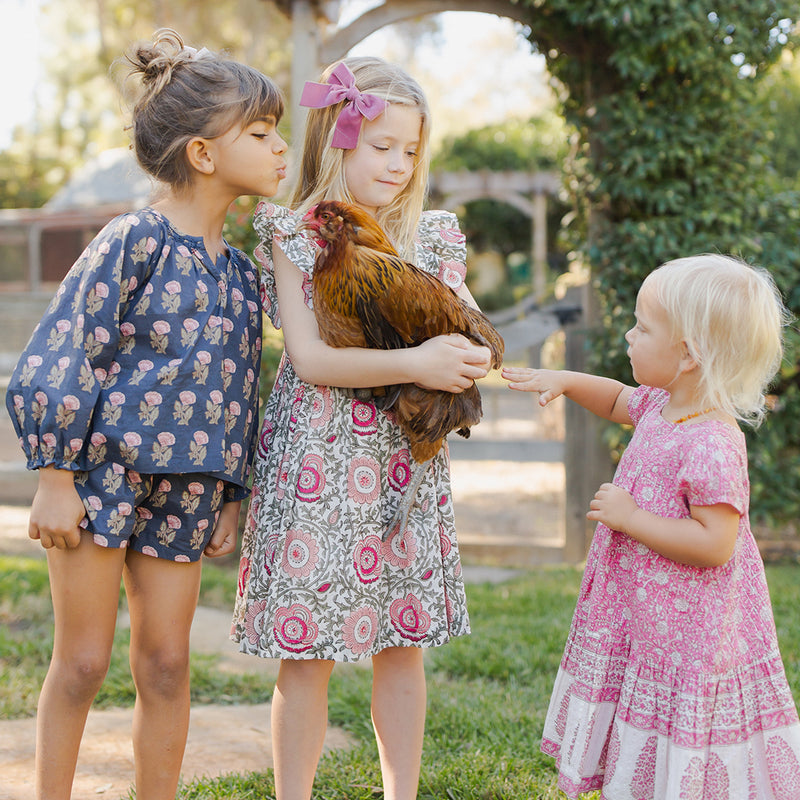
[(148, 356)]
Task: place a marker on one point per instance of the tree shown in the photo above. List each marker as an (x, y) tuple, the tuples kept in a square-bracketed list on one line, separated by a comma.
[(671, 162), (79, 110)]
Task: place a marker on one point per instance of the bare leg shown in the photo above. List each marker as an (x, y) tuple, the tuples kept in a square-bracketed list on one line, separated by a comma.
[(84, 584), (299, 722), (162, 597), (398, 715)]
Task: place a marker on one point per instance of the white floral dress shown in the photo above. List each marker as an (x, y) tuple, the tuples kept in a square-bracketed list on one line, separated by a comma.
[(315, 579)]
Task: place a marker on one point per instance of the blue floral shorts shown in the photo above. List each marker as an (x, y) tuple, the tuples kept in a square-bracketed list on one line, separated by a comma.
[(165, 516)]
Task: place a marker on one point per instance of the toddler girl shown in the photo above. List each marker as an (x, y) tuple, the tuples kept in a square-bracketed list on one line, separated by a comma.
[(136, 399), (671, 684), (317, 582)]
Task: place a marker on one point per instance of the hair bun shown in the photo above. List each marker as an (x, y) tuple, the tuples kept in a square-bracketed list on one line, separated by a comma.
[(156, 62)]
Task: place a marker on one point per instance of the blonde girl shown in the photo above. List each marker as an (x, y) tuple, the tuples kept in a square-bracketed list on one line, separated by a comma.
[(671, 683), (136, 400), (317, 582)]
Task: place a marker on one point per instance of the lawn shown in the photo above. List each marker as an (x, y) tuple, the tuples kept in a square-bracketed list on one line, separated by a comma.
[(487, 693)]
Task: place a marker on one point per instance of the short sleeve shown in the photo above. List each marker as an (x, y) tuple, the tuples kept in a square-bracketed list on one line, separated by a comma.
[(644, 400), (442, 247), (714, 466), (273, 223)]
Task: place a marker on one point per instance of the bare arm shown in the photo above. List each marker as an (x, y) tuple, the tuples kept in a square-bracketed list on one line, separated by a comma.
[(705, 539), (56, 510), (450, 363), (604, 397)]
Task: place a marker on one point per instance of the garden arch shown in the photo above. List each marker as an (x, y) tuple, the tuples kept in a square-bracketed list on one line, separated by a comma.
[(668, 161)]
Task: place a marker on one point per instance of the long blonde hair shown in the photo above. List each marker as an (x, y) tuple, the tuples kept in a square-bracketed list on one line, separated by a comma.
[(731, 317), (322, 166)]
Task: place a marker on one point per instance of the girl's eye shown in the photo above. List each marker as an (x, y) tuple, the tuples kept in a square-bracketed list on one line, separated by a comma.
[(380, 147), (411, 153)]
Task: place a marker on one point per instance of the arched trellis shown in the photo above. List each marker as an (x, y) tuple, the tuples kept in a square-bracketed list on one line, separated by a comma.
[(318, 39), (525, 191)]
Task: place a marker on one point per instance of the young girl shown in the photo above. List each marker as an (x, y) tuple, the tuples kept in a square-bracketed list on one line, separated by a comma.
[(671, 684), (136, 399), (317, 583)]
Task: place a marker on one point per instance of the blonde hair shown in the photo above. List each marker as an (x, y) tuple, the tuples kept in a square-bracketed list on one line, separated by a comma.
[(183, 93), (322, 167), (730, 316)]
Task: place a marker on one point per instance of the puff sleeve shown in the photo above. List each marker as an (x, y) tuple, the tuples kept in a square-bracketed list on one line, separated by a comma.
[(57, 380), (442, 247)]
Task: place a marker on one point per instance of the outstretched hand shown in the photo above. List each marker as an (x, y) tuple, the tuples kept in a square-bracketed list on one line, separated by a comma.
[(549, 383), (451, 363)]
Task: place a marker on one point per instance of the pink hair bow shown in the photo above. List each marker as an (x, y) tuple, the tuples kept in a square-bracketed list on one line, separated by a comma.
[(341, 85)]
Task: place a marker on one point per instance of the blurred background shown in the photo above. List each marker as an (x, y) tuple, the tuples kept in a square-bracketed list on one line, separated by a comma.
[(505, 159)]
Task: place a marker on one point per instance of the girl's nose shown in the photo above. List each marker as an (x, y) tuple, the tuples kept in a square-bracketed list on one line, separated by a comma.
[(396, 163), (629, 335), (280, 145)]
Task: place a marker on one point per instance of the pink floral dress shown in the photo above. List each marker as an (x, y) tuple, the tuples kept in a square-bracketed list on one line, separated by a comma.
[(671, 685), (316, 580)]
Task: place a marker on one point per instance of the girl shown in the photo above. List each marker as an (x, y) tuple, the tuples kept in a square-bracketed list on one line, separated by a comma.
[(317, 583), (136, 399), (671, 684)]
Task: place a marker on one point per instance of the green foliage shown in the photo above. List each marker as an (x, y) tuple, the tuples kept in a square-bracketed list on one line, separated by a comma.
[(26, 643), (672, 159), (539, 143), (778, 104), (79, 112)]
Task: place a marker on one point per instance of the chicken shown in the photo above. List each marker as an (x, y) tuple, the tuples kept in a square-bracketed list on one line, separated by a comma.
[(365, 295)]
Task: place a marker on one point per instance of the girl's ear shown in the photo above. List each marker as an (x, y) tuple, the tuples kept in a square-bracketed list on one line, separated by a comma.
[(688, 362), (199, 155)]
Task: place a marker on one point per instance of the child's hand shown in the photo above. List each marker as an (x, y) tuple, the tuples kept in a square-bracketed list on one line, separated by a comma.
[(613, 506), (549, 383), (451, 363), (56, 510), (226, 531)]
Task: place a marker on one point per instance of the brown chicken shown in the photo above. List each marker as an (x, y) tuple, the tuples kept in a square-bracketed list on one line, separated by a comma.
[(365, 295)]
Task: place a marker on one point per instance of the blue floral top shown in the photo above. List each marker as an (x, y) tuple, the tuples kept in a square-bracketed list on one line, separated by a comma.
[(148, 356)]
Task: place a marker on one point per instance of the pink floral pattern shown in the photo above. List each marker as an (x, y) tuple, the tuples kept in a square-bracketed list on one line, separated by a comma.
[(333, 467), (671, 677)]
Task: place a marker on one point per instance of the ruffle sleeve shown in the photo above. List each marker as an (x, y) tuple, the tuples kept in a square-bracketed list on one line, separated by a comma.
[(442, 247), (646, 399), (55, 386), (714, 466), (276, 224)]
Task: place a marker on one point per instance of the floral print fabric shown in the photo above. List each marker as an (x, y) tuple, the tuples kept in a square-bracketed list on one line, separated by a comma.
[(148, 356), (316, 580), (671, 684)]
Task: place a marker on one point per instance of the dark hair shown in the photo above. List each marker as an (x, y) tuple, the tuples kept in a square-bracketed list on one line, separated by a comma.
[(185, 93)]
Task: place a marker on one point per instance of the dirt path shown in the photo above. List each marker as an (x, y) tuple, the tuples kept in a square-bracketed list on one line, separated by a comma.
[(222, 738)]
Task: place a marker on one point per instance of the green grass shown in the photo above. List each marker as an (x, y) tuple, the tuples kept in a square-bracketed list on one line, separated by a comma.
[(487, 693)]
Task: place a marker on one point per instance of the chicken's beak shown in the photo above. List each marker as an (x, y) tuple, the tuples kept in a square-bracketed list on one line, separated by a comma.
[(310, 222)]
